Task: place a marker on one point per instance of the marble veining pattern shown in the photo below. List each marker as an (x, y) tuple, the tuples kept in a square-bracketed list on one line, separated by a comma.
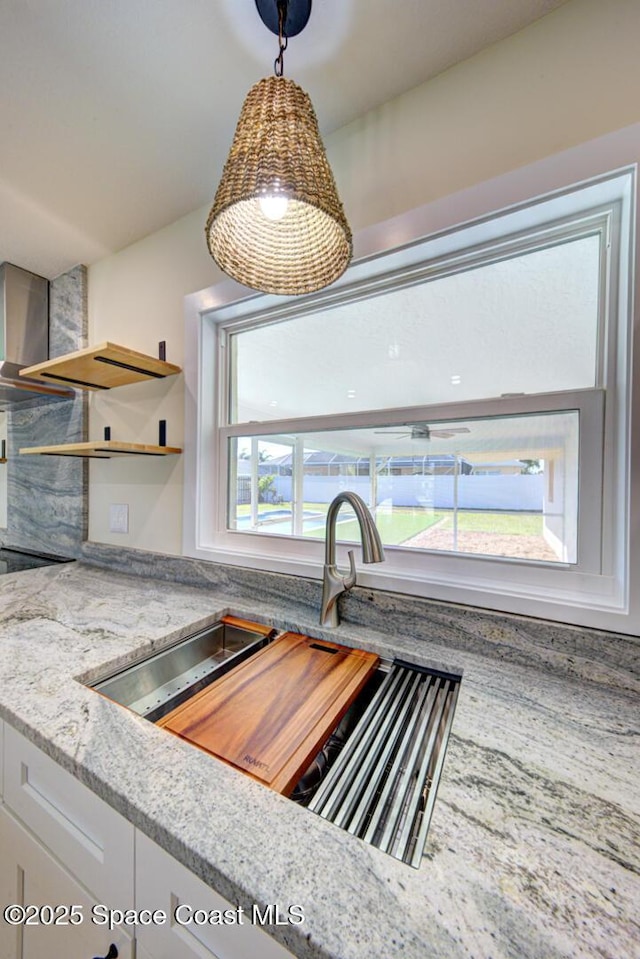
[(585, 653), (534, 847), (47, 494), (68, 312)]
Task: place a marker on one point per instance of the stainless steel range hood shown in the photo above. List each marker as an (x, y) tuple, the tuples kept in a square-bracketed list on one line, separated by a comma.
[(24, 336)]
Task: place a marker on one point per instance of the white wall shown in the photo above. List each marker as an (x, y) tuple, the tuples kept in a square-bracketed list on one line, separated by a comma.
[(136, 299), (566, 79)]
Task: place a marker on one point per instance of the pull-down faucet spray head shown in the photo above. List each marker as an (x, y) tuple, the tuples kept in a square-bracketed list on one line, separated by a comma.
[(334, 583)]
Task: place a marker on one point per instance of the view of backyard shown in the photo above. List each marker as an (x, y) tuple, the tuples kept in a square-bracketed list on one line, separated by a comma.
[(517, 535), (493, 486)]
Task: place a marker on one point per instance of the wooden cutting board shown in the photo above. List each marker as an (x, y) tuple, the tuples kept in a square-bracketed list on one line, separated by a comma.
[(271, 714)]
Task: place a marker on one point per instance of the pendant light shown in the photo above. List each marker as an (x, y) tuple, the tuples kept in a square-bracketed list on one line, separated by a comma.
[(277, 224)]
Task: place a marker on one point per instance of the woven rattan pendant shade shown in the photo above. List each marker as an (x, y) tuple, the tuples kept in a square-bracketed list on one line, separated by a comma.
[(277, 151)]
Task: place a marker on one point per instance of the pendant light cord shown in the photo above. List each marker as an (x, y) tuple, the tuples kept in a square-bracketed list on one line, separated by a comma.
[(283, 40)]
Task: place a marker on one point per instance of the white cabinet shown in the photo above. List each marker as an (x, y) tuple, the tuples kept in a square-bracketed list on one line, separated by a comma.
[(61, 845), (196, 926), (90, 838), (2, 725), (30, 876), (141, 952)]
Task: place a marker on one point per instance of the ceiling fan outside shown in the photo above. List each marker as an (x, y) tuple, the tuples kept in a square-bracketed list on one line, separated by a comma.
[(422, 431)]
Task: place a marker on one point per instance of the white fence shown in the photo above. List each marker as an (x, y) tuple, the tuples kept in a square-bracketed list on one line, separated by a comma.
[(512, 493)]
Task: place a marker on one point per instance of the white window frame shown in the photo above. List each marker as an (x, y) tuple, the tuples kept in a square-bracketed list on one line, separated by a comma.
[(593, 593), (403, 562)]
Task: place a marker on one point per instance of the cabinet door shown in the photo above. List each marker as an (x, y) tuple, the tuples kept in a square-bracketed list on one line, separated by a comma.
[(86, 835), (162, 883), (30, 876), (141, 952)]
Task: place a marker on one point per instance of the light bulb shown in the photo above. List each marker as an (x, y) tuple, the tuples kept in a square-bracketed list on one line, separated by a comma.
[(274, 207)]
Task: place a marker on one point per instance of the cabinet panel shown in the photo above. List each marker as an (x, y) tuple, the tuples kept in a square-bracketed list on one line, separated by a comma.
[(141, 952), (30, 876), (92, 840), (162, 883)]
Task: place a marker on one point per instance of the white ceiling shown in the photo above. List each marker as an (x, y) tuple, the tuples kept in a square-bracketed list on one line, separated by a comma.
[(116, 115)]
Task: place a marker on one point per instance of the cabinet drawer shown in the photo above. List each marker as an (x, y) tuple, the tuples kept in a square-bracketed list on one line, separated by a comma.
[(93, 841), (30, 876), (162, 883)]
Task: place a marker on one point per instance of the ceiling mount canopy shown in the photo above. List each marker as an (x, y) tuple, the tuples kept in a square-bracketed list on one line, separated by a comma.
[(296, 16), (277, 224)]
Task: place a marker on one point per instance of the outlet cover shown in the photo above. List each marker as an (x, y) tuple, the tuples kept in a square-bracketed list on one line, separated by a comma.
[(119, 518)]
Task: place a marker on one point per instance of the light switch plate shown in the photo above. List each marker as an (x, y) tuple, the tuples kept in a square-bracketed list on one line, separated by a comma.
[(119, 518)]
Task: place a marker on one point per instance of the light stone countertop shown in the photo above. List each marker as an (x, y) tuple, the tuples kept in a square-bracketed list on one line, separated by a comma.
[(534, 846)]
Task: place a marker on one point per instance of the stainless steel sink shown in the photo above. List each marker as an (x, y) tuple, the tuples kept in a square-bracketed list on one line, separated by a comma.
[(378, 772), (163, 681)]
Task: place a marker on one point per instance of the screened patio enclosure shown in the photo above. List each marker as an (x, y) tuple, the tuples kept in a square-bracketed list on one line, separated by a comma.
[(496, 486)]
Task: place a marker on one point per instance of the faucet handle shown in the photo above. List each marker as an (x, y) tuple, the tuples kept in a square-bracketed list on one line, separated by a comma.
[(350, 579)]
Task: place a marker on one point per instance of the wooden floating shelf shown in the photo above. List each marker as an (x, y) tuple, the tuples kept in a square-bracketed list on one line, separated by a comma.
[(101, 368), (101, 449)]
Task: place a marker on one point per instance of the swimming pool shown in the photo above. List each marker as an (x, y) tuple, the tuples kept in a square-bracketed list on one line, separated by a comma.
[(280, 520)]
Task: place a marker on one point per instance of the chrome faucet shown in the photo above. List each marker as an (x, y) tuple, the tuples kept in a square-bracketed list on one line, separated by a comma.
[(334, 583)]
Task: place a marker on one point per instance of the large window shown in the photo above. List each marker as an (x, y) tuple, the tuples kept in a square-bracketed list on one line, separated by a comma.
[(495, 486), (527, 322), (470, 386)]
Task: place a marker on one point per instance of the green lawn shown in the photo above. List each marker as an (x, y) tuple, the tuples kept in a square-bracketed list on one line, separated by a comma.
[(394, 527), (402, 523), (517, 524)]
